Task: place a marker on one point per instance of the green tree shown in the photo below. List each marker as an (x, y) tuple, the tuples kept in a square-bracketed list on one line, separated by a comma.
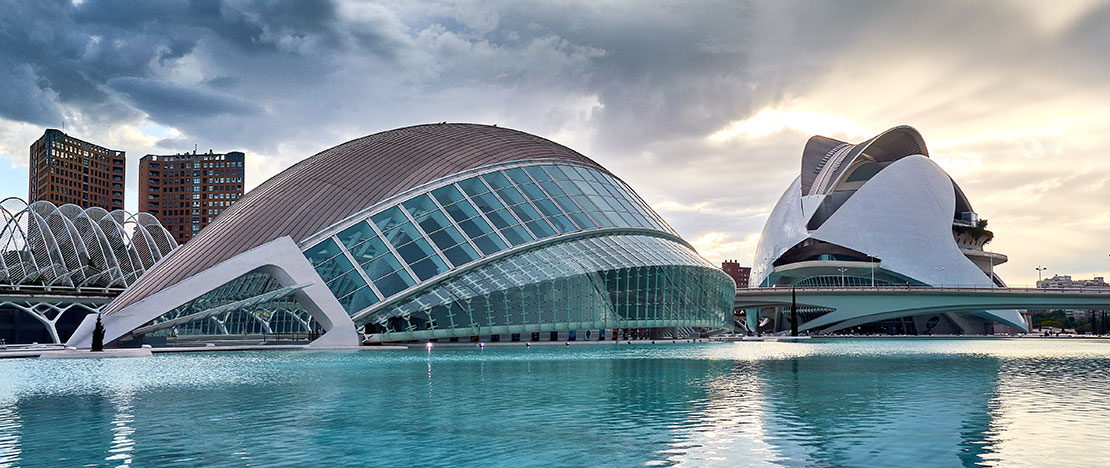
[(98, 335)]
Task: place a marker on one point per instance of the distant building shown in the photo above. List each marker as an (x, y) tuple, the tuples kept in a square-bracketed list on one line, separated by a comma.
[(738, 273), (65, 170), (1065, 281), (187, 191)]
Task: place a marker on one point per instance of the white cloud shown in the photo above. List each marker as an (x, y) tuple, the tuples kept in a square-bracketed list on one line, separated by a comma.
[(770, 121)]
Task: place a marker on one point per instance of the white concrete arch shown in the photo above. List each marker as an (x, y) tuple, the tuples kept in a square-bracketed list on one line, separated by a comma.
[(279, 258)]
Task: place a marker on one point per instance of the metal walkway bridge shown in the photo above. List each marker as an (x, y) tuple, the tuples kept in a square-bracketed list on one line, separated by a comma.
[(854, 306)]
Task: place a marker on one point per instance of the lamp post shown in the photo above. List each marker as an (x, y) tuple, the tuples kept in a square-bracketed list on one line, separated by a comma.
[(842, 270), (1039, 270)]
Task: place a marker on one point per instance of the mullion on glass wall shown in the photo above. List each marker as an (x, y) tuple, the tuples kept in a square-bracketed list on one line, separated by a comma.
[(528, 172), (454, 224), (420, 230), (481, 214), (521, 206), (392, 251), (623, 290), (506, 206), (358, 268), (565, 197)]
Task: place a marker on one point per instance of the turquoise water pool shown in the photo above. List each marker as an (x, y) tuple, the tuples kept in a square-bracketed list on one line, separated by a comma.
[(867, 402)]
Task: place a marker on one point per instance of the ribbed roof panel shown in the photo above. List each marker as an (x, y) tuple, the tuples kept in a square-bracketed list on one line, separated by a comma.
[(339, 182)]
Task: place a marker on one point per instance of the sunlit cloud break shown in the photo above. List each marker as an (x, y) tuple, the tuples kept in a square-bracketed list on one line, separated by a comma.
[(770, 121)]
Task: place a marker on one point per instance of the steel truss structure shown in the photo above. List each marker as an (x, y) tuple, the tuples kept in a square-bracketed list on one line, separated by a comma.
[(61, 260)]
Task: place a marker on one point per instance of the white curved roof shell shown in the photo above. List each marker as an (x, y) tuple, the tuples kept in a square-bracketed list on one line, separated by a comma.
[(883, 198)]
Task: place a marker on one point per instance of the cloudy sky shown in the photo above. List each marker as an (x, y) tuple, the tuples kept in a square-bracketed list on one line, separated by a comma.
[(703, 107)]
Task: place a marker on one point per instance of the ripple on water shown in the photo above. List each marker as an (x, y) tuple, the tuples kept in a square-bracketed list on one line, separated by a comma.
[(873, 402)]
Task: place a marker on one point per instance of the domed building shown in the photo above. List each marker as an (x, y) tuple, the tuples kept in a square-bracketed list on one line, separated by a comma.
[(878, 213), (430, 232)]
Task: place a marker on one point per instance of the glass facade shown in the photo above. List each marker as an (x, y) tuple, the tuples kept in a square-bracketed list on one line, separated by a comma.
[(594, 282), (403, 245), (278, 316), (587, 254), (834, 281)]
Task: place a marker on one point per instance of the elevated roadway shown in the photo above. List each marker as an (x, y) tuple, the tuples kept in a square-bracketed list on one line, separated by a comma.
[(853, 306)]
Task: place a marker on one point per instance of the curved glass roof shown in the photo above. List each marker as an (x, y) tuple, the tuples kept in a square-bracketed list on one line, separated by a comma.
[(404, 244)]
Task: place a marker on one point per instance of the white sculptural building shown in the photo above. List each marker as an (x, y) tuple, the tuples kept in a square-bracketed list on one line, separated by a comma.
[(878, 213)]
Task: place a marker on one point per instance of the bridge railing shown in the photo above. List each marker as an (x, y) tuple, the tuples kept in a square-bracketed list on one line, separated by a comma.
[(932, 288)]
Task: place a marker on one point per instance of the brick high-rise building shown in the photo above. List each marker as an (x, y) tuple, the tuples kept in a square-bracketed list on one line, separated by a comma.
[(65, 169), (187, 191), (738, 273)]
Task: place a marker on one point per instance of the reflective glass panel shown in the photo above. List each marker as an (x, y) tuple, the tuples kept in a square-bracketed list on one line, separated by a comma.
[(554, 173), (415, 251), (420, 206), (368, 250), (582, 220), (562, 224), (389, 218), (537, 173), (394, 283), (461, 254), (490, 244), (343, 285), (516, 235), (548, 208), (501, 218), (358, 300), (533, 192), (540, 228), (334, 267), (486, 202), (381, 266), (475, 227), (473, 186), (429, 267), (496, 180), (403, 234), (447, 195), (321, 252), (447, 238), (461, 211), (552, 188), (433, 222), (355, 234), (511, 196), (517, 175), (526, 212)]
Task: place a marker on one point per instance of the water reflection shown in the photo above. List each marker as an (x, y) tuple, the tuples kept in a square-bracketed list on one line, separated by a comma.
[(119, 451), (835, 403), (10, 426)]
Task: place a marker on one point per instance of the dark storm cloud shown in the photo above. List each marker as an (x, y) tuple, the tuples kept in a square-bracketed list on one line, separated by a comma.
[(54, 52), (167, 102), (637, 85)]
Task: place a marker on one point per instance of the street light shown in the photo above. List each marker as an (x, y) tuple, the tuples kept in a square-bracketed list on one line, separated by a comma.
[(842, 270), (1039, 270)]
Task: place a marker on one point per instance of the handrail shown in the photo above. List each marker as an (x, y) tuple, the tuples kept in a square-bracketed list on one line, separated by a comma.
[(915, 288)]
